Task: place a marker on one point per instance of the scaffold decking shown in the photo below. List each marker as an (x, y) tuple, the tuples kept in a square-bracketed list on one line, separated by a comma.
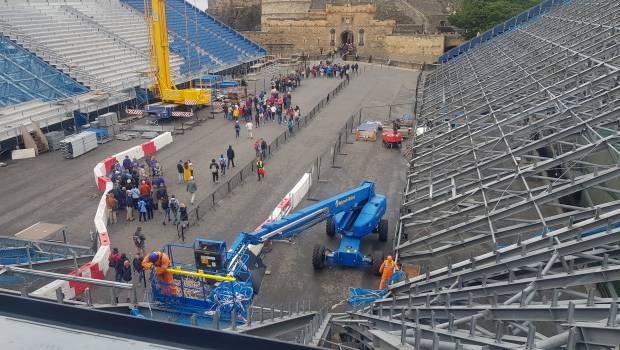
[(511, 205)]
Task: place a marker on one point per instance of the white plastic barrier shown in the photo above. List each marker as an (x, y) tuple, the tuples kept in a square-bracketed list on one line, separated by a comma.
[(98, 267), (286, 205), (99, 170), (100, 215)]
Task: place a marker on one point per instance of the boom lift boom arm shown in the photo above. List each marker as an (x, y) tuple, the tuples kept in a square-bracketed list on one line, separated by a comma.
[(354, 213)]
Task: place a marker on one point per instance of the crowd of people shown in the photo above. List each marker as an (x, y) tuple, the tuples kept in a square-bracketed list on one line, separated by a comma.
[(332, 70), (287, 82), (139, 189), (263, 108)]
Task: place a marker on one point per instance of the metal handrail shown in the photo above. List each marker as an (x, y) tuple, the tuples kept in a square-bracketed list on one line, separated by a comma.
[(83, 17), (70, 278), (52, 57)]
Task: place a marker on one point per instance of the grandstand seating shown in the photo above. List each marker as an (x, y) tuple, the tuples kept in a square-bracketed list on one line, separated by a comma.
[(102, 45), (214, 44), (109, 39), (25, 77), (80, 39), (128, 26), (488, 109), (517, 156)]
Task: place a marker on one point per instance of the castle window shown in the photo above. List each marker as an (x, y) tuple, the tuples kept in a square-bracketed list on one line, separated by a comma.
[(361, 37), (332, 37)]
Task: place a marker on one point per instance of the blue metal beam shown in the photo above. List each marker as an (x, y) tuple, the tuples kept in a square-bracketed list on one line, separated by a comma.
[(24, 77)]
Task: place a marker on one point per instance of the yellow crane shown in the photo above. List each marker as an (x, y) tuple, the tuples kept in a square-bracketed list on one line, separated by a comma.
[(160, 60)]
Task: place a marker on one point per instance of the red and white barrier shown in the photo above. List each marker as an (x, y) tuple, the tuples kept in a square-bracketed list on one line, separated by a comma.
[(286, 205), (134, 111), (182, 114), (98, 267)]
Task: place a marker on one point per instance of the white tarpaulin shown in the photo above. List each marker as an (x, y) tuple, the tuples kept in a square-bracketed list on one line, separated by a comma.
[(202, 5)]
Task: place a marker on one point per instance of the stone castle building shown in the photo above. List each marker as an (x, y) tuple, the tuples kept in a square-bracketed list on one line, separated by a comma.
[(290, 27)]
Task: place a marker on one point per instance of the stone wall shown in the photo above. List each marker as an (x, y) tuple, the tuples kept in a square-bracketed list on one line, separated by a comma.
[(284, 9), (414, 48), (239, 14), (453, 41)]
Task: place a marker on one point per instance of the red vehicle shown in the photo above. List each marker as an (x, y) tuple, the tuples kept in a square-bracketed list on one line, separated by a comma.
[(391, 140)]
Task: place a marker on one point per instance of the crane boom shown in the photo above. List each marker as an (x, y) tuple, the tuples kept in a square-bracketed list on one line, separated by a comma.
[(160, 61), (161, 47)]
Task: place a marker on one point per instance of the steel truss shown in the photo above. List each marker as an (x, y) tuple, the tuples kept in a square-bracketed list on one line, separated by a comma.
[(24, 77), (512, 204), (521, 132)]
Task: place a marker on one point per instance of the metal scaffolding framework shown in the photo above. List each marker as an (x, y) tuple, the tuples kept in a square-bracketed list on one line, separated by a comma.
[(24, 77), (512, 201)]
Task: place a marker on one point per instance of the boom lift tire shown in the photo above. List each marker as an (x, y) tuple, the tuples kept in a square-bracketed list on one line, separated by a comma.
[(377, 260), (330, 227), (383, 230), (318, 257)]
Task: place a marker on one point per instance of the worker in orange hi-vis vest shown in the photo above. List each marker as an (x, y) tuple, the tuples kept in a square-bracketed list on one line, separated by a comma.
[(161, 262), (387, 270)]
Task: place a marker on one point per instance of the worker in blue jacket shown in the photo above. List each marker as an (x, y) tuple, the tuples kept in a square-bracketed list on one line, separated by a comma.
[(127, 163), (142, 209)]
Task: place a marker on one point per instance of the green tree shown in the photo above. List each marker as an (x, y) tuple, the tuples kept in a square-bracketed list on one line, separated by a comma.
[(478, 16)]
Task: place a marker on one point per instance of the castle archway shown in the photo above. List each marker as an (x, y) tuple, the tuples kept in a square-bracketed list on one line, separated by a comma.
[(346, 37)]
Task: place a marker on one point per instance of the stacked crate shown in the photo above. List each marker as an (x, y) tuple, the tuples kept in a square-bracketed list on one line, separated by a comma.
[(108, 121), (78, 144), (54, 138)]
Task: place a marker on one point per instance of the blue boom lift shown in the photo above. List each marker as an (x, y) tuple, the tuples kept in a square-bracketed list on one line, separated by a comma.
[(222, 280), (353, 214)]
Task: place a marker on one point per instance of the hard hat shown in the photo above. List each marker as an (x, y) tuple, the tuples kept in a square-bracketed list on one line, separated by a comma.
[(153, 257), (389, 258)]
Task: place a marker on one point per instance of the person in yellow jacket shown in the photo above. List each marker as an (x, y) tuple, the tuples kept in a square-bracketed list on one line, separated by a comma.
[(260, 168), (387, 270), (187, 172), (236, 113), (160, 262)]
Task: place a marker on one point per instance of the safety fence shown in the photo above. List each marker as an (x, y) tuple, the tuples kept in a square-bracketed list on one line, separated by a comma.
[(249, 169), (384, 61)]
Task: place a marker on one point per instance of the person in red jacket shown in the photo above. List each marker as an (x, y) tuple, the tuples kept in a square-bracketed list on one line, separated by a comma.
[(145, 189), (113, 261)]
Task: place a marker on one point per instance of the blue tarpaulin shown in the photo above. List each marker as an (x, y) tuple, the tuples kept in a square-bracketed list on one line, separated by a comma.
[(210, 78), (227, 84), (361, 296)]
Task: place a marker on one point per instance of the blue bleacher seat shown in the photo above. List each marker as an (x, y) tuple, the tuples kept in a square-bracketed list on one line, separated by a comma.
[(203, 33), (25, 77)]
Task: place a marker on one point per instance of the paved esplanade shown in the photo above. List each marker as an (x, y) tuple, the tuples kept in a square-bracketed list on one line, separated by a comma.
[(250, 203), (52, 189)]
